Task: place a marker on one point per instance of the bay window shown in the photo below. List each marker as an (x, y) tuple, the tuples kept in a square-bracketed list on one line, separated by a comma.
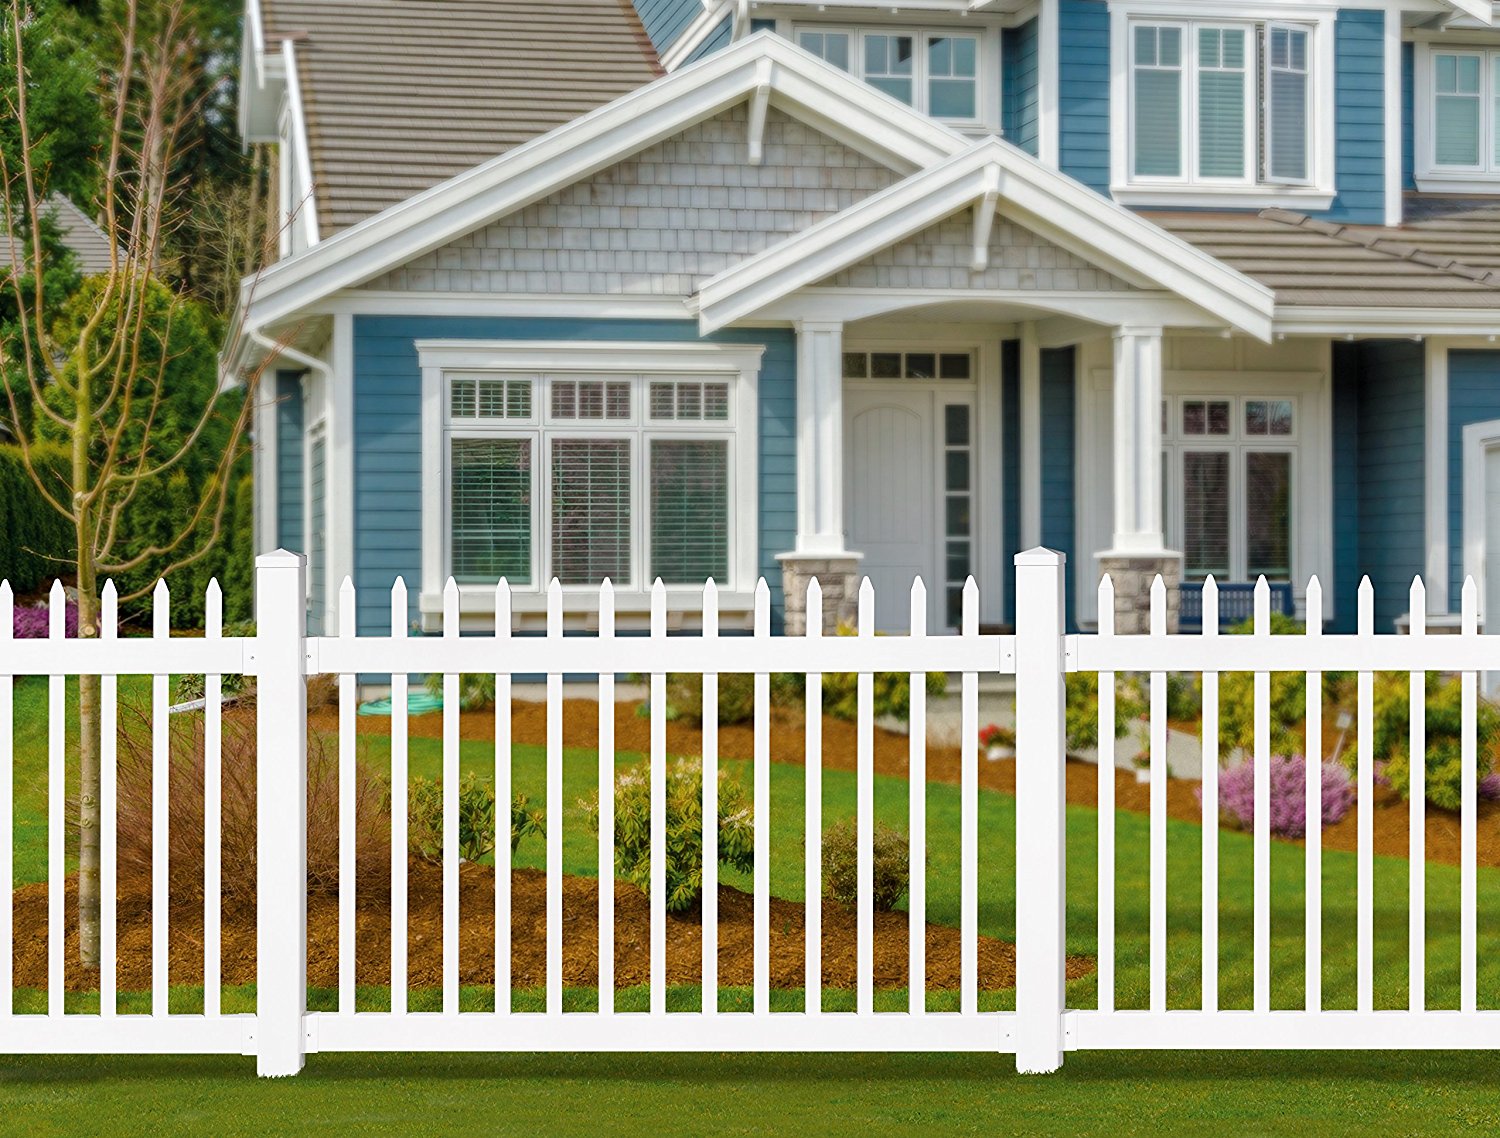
[(935, 71), (1230, 479), (1219, 106), (1458, 101), (579, 469)]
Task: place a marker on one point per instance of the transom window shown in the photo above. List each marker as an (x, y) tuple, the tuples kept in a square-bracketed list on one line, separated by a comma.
[(1462, 95), (909, 365), (935, 71), (1221, 103), (626, 477), (1230, 469)]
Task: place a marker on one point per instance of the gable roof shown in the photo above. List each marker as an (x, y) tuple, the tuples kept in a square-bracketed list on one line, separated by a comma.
[(400, 95)]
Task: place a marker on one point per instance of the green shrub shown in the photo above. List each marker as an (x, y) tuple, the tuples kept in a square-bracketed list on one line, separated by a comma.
[(684, 829), (736, 697), (38, 545), (476, 818), (892, 864), (891, 694), (476, 690), (1081, 716), (1391, 739)]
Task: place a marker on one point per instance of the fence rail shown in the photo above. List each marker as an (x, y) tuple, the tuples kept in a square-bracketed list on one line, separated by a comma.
[(1042, 1028)]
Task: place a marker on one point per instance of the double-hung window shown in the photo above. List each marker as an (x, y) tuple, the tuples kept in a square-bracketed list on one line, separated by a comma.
[(935, 71), (585, 470), (1231, 471), (1219, 104), (1459, 105)]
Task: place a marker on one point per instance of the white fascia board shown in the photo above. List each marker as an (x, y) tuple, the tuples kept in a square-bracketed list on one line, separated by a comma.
[(1041, 199), (714, 13), (1359, 323), (1481, 10), (814, 91)]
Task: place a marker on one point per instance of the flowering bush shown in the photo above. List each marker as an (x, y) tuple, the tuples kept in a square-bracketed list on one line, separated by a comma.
[(996, 736), (1288, 795), (31, 623)]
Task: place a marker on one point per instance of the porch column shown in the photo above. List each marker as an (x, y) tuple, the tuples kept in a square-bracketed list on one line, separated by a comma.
[(820, 550), (1138, 551)]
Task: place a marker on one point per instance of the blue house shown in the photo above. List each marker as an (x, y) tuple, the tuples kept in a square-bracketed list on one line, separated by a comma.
[(728, 289)]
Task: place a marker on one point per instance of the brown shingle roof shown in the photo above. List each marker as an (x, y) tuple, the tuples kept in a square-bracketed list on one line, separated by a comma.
[(1452, 261), (402, 94)]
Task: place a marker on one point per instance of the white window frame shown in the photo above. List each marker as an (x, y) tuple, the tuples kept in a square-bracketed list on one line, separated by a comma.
[(1189, 190), (737, 364), (1430, 177), (987, 62)]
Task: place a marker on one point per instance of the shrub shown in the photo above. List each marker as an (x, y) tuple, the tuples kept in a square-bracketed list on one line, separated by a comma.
[(38, 543), (684, 829), (1444, 770), (892, 864), (476, 818), (1081, 716), (1288, 795), (476, 690), (31, 622), (736, 697), (890, 696)]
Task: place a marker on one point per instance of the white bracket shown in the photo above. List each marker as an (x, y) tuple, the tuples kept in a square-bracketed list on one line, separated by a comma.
[(760, 102), (984, 218)]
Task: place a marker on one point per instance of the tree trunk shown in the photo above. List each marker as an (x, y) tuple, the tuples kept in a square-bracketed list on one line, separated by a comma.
[(88, 766)]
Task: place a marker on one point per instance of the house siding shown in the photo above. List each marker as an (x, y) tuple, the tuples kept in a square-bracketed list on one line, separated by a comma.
[(1359, 116), (665, 20), (1473, 397), (1391, 378), (388, 443), (1340, 593), (1083, 91), (317, 552), (1408, 116), (715, 40), (1059, 432), (1010, 470), (1020, 101), (289, 460)]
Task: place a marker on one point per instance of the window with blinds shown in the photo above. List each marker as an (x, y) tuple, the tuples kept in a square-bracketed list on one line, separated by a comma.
[(1463, 93), (1221, 103), (689, 510), (1205, 513), (490, 397), (490, 492), (590, 510)]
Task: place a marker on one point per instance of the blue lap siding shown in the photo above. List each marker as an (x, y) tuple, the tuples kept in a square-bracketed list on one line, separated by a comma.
[(289, 460), (1083, 91), (665, 20), (1359, 116), (1059, 411), (1018, 75), (1473, 397), (388, 446)]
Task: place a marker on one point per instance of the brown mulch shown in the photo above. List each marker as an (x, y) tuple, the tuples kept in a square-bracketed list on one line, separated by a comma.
[(632, 733), (528, 942)]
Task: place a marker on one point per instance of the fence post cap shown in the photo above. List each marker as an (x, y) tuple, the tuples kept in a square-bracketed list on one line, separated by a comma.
[(1042, 556), (280, 559)]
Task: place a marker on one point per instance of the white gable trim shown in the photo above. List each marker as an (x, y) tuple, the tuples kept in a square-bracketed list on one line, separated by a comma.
[(1042, 200), (807, 88)]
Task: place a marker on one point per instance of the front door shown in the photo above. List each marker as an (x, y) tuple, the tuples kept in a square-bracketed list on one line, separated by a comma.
[(907, 490)]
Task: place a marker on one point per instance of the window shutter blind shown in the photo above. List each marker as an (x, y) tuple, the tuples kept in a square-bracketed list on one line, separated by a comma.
[(689, 511), (1158, 102), (590, 510), (1287, 100), (1205, 509), (1268, 515), (1457, 110), (1222, 90), (491, 508)]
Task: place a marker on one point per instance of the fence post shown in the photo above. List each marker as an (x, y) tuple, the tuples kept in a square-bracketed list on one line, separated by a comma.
[(1041, 798), (281, 812)]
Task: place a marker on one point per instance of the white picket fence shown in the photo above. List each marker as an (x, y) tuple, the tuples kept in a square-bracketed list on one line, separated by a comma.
[(283, 1031)]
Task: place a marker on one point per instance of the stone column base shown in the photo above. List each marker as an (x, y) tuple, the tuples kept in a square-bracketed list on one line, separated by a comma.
[(839, 578), (1133, 578)]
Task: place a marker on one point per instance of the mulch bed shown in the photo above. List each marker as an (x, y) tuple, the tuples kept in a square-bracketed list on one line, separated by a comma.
[(632, 733), (528, 944)]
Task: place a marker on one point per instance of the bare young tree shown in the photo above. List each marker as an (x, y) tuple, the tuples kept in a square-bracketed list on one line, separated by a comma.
[(94, 374)]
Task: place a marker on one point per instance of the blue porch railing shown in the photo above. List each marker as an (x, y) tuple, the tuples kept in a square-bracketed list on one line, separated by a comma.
[(1236, 604)]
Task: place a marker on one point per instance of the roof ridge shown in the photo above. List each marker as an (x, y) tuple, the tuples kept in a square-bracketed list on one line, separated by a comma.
[(1377, 241)]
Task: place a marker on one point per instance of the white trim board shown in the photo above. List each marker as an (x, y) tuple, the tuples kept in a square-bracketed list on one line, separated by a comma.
[(1478, 440)]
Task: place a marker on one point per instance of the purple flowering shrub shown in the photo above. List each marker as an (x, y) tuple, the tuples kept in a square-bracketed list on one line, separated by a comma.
[(31, 622), (1287, 798)]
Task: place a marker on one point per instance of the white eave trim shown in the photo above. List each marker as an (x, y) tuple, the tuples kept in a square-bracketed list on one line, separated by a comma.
[(1035, 197), (702, 26), (817, 93), (305, 213), (1481, 10), (1360, 322)]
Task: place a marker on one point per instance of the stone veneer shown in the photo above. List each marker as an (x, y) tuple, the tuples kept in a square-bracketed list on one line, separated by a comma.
[(839, 579), (1133, 578)]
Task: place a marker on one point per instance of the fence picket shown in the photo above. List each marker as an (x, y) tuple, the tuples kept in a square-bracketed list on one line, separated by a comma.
[(1313, 842), (503, 796), (762, 809), (213, 755), (1106, 776), (1468, 905), (399, 791), (555, 806), (1365, 797), (56, 796), (1262, 697), (161, 760), (968, 948), (710, 811), (916, 789), (658, 807), (1416, 850), (1158, 821), (451, 710), (865, 815), (7, 808), (348, 852), (1210, 819), (607, 813), (812, 826), (109, 799)]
